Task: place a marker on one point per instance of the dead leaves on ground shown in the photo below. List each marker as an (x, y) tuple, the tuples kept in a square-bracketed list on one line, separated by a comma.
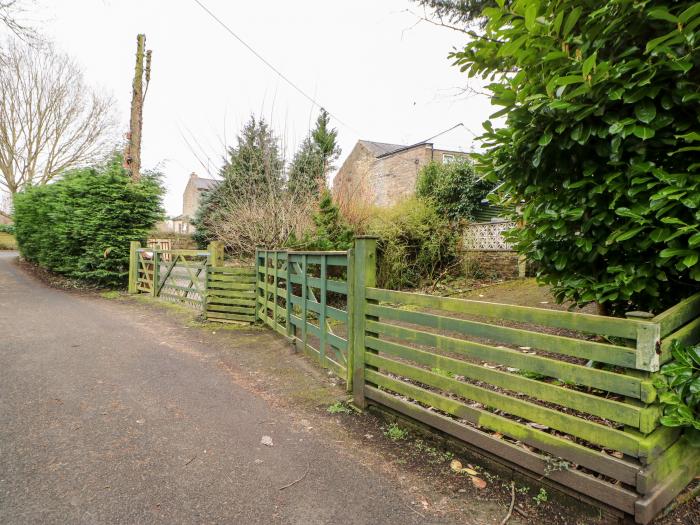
[(457, 467)]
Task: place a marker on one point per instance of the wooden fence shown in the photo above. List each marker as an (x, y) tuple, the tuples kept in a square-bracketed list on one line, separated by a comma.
[(544, 389), (230, 294), (303, 295), (568, 396)]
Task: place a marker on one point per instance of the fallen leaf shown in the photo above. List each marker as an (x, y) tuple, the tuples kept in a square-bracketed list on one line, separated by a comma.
[(478, 482), (456, 465), (266, 440), (470, 471)]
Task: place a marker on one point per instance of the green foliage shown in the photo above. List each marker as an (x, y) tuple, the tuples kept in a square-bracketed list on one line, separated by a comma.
[(306, 170), (253, 167), (395, 432), (81, 225), (600, 144), (339, 408), (454, 189), (313, 161), (679, 390), (542, 497), (331, 233), (456, 11), (7, 228), (415, 243)]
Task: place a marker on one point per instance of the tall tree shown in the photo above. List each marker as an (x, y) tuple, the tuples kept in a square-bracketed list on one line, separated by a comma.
[(314, 159), (255, 163), (50, 120), (254, 167), (600, 147)]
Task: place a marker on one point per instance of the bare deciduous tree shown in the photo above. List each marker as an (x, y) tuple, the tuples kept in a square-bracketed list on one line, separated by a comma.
[(249, 218), (11, 12), (50, 120)]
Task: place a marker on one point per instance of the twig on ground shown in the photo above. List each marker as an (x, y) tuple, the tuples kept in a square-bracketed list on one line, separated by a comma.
[(521, 512), (414, 510), (512, 503), (191, 460), (308, 467)]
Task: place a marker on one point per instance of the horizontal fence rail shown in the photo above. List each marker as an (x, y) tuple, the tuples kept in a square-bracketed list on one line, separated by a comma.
[(567, 395), (230, 294)]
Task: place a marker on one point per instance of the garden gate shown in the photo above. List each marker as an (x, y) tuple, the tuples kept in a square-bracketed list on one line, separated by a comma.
[(195, 278)]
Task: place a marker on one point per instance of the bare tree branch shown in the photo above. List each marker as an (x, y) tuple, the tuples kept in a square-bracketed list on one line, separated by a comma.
[(249, 218), (11, 12), (50, 120)]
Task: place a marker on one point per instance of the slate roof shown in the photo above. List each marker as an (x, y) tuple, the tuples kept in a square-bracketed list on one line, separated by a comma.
[(380, 148)]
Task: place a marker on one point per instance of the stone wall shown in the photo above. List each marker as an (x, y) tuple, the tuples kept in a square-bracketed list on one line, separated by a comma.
[(491, 264), (190, 198), (393, 178), (384, 181), (352, 179)]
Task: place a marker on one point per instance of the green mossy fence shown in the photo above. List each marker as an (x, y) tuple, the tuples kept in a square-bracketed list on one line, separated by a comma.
[(567, 396)]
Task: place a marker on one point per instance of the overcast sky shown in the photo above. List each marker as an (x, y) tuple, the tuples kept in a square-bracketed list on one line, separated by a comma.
[(383, 77)]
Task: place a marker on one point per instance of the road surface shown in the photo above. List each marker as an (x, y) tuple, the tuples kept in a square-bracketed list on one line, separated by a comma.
[(106, 417)]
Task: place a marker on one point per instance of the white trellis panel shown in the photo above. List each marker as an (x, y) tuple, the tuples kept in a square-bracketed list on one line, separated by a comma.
[(487, 236)]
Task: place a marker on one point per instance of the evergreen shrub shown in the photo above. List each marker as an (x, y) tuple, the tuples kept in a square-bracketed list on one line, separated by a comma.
[(81, 225)]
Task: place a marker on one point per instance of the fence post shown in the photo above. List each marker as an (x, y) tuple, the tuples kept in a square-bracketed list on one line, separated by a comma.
[(257, 281), (275, 263), (216, 253), (350, 276), (288, 300), (364, 275), (156, 271), (133, 265)]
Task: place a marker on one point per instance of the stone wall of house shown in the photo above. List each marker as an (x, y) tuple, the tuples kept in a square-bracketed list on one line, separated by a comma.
[(190, 198), (352, 179), (393, 178), (492, 264), (387, 180)]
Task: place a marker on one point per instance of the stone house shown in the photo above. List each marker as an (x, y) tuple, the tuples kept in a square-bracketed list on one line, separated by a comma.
[(194, 190), (385, 173), (5, 218), (191, 198)]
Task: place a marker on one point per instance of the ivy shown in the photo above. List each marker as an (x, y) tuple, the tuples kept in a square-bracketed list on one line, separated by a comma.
[(599, 151), (454, 189)]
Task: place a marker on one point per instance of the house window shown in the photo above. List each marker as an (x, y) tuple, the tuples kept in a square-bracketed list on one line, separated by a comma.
[(446, 159)]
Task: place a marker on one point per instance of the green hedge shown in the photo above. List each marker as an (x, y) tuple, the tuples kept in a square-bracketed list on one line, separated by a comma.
[(7, 228), (81, 225)]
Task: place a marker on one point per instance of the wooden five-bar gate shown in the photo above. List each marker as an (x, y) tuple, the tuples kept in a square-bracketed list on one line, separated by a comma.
[(195, 278), (567, 396)]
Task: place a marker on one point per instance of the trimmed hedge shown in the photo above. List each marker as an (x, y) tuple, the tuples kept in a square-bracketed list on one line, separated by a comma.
[(81, 225)]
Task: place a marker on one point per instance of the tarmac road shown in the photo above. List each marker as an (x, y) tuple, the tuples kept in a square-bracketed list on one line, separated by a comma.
[(101, 421)]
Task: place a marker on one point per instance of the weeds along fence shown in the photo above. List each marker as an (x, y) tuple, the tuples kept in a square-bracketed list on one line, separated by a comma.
[(563, 395)]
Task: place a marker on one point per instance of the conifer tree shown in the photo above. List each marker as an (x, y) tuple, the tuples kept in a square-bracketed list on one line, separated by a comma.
[(314, 159)]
